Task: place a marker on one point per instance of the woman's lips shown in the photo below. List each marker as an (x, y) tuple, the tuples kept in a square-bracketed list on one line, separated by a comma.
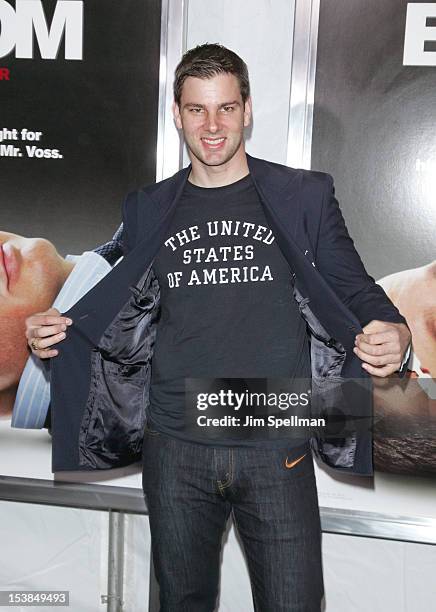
[(10, 263)]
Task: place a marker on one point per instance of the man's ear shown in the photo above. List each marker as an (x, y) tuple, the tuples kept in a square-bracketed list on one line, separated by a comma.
[(176, 115), (247, 112)]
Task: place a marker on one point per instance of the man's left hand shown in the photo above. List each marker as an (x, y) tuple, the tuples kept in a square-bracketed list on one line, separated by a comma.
[(382, 346)]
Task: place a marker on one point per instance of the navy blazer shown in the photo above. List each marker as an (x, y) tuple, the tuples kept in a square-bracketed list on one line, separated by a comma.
[(100, 379), (111, 251)]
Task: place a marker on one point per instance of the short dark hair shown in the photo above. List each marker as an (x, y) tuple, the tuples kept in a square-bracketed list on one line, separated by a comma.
[(208, 60)]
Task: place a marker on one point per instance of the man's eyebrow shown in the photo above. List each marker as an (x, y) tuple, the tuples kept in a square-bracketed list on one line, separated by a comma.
[(194, 105), (236, 102)]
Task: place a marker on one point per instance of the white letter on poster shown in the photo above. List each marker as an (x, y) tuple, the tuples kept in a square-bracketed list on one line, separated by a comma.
[(417, 33), (68, 17), (7, 28)]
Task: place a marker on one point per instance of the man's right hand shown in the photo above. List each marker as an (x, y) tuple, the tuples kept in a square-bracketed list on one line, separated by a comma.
[(43, 330)]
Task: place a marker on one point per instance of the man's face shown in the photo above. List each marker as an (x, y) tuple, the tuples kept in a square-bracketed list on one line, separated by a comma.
[(30, 278), (212, 116)]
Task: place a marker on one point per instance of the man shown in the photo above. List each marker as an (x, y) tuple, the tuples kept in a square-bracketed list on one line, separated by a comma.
[(214, 258)]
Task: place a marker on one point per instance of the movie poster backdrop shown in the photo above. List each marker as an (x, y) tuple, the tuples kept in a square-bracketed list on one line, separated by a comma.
[(79, 90), (374, 132)]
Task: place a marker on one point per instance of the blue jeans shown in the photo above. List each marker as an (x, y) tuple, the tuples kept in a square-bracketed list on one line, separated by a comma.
[(190, 490)]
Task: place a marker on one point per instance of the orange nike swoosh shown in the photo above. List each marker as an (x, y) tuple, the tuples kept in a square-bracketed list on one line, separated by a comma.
[(292, 463)]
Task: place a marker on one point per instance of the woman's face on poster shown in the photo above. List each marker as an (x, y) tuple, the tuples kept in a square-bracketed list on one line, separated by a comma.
[(30, 278)]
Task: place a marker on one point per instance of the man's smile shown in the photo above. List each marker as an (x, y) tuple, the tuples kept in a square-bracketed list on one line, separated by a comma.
[(213, 143)]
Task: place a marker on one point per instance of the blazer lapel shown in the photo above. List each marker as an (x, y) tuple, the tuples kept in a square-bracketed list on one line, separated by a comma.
[(278, 191), (282, 196)]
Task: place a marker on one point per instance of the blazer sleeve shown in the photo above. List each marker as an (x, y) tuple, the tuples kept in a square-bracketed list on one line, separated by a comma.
[(341, 266)]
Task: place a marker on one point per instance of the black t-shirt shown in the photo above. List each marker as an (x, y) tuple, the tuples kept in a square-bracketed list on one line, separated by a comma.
[(227, 308)]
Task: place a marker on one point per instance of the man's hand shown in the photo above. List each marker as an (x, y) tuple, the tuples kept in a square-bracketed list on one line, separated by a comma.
[(381, 347), (43, 330)]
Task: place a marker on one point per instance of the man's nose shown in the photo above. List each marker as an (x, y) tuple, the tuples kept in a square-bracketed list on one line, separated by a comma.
[(212, 124)]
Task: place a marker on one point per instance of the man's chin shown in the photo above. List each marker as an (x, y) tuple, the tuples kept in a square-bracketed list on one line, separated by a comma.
[(214, 163), (214, 159)]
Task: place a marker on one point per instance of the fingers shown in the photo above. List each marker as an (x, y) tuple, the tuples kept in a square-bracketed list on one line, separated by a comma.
[(44, 343), (382, 371), (383, 357), (41, 318), (378, 349), (46, 353), (43, 347), (375, 326), (45, 329), (378, 338)]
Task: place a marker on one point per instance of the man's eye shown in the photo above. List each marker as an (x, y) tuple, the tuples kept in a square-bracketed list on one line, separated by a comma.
[(196, 111), (228, 109)]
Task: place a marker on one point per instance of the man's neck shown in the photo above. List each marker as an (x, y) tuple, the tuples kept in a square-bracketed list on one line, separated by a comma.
[(219, 176)]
